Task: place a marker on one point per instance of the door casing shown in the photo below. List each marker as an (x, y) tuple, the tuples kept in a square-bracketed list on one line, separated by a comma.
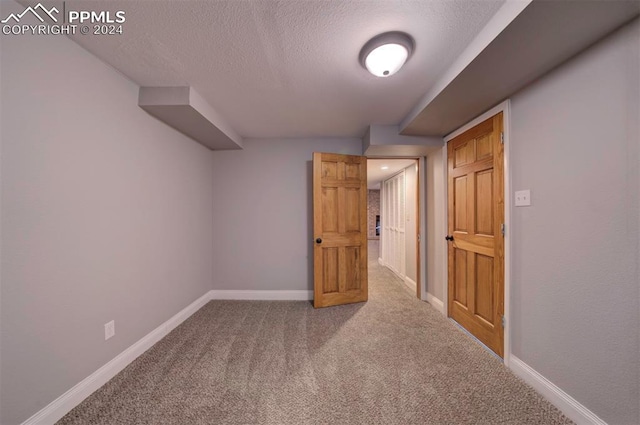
[(420, 224)]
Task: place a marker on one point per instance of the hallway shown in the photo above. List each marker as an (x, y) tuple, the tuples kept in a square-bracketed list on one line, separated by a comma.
[(382, 274)]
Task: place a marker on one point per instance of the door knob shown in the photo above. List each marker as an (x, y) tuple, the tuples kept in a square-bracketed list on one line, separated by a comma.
[(319, 240), (449, 238)]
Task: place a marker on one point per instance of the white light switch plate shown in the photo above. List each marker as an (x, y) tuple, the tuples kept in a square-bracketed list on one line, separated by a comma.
[(523, 198)]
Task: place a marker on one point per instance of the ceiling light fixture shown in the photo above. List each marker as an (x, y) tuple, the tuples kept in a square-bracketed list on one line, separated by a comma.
[(385, 54), (384, 167)]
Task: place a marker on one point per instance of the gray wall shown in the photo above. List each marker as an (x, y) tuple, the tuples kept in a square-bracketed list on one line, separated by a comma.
[(411, 190), (106, 214), (263, 219), (575, 288), (436, 249)]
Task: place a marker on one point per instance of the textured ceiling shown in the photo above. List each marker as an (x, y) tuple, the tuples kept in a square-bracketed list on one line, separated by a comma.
[(287, 68)]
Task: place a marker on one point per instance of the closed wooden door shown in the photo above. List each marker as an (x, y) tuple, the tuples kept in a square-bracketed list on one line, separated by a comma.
[(340, 229), (476, 242)]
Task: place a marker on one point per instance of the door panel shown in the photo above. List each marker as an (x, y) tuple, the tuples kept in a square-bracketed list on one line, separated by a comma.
[(352, 254), (484, 287), (340, 229), (484, 148), (330, 272), (476, 213), (460, 194), (462, 154), (484, 203), (329, 209), (353, 172), (460, 288), (352, 210)]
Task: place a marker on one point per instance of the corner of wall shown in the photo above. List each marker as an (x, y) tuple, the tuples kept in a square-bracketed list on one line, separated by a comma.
[(435, 302)]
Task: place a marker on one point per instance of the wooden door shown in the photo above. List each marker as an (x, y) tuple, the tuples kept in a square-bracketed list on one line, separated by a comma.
[(340, 229), (476, 216)]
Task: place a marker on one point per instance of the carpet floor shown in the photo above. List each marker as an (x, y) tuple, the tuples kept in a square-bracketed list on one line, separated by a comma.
[(392, 360)]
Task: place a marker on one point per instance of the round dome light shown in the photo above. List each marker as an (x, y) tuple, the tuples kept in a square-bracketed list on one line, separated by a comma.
[(385, 54)]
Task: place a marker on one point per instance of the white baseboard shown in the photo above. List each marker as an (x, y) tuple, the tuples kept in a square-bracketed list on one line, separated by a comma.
[(563, 401), (299, 295), (435, 302), (396, 272), (55, 410), (411, 283)]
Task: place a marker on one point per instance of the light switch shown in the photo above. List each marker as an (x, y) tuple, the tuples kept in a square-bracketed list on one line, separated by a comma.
[(523, 198)]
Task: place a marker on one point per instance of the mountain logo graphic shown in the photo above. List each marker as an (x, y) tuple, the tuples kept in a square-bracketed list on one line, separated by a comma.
[(34, 10)]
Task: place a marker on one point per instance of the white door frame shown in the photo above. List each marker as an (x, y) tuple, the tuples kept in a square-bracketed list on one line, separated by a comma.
[(421, 220), (505, 108)]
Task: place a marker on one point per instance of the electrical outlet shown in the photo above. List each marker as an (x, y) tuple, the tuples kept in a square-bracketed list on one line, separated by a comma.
[(523, 198), (109, 330)]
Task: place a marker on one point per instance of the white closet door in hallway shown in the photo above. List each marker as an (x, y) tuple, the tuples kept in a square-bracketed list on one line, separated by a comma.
[(393, 223)]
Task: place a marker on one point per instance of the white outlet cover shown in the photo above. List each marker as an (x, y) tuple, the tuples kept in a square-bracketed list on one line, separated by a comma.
[(109, 330), (523, 198)]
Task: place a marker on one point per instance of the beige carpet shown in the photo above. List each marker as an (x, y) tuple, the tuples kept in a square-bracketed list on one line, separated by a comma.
[(393, 360)]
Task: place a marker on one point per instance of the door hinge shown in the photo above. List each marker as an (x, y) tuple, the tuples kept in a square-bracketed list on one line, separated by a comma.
[(502, 137), (504, 322), (418, 237), (503, 229)]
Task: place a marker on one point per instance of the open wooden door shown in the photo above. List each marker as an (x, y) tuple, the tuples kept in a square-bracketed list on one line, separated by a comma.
[(476, 241), (340, 229)]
